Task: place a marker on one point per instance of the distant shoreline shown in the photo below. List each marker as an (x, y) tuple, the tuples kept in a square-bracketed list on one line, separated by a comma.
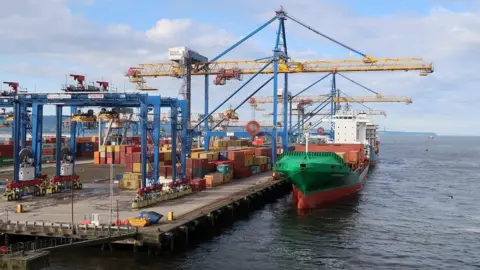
[(406, 133)]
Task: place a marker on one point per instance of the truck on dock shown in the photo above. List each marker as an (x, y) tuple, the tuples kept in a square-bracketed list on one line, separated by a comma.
[(30, 184)]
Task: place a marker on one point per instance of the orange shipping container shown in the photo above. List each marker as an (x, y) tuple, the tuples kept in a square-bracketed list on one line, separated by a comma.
[(214, 179), (353, 156)]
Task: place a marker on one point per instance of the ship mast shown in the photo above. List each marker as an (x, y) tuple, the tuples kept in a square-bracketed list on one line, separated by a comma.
[(306, 134)]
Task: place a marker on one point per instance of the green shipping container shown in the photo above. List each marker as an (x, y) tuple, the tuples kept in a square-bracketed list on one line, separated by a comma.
[(224, 168)]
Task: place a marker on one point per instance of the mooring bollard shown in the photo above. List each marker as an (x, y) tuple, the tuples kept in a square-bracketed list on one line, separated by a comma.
[(170, 216)]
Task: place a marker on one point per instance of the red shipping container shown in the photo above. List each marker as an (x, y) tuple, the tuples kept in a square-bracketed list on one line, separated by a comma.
[(166, 171), (242, 172), (197, 163), (198, 184), (6, 151), (137, 157), (133, 149), (263, 151), (212, 167), (129, 167), (168, 162), (109, 160), (123, 148), (223, 162), (110, 155), (233, 155), (188, 173), (129, 158), (263, 167)]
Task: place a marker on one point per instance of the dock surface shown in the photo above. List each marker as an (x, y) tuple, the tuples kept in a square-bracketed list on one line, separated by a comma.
[(95, 199)]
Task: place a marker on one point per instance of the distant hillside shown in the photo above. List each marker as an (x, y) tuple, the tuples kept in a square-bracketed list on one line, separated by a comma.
[(405, 133)]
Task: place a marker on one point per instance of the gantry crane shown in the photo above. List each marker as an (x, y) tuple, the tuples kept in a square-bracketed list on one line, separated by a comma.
[(81, 87), (278, 63), (244, 67), (326, 112), (320, 98), (255, 108)]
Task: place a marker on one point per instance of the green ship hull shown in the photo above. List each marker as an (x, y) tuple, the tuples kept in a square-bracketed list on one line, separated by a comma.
[(319, 177)]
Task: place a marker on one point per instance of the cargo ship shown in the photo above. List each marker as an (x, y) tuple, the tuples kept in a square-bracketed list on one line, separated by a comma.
[(326, 172)]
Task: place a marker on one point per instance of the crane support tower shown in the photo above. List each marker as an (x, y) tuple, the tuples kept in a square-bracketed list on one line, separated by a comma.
[(28, 177), (185, 57)]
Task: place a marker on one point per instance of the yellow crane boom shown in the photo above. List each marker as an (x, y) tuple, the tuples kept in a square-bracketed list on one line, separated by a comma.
[(367, 112), (342, 99), (233, 69)]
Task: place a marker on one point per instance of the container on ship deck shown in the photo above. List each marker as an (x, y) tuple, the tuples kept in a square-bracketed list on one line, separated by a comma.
[(333, 148), (353, 156), (342, 155)]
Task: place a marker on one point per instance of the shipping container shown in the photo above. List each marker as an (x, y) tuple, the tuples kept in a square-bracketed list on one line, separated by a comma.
[(214, 179)]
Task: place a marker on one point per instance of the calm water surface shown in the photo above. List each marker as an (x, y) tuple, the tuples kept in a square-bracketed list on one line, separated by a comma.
[(419, 210)]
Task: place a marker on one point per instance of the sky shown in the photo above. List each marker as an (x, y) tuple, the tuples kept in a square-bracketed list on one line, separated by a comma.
[(45, 40)]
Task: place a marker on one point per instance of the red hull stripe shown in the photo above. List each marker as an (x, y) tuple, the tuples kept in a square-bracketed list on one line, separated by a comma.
[(313, 200)]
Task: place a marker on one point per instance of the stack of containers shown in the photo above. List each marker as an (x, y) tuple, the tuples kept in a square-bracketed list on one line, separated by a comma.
[(166, 169), (238, 161), (131, 157), (48, 152), (110, 154), (85, 149), (225, 169), (196, 168)]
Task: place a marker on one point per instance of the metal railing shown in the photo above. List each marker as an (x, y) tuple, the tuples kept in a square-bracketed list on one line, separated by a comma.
[(57, 242)]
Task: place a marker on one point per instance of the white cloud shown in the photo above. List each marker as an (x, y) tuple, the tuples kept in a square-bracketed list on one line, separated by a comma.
[(167, 30), (48, 40)]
